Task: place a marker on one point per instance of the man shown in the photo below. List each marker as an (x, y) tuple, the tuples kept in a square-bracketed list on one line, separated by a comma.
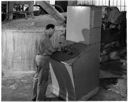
[(45, 49)]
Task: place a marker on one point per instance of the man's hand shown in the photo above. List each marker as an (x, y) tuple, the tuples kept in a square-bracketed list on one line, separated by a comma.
[(49, 51)]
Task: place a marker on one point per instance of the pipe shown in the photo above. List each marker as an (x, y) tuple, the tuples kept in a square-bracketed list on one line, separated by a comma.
[(52, 11)]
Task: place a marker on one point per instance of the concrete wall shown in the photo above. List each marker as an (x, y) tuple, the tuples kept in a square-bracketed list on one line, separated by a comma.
[(19, 39), (19, 42), (19, 48)]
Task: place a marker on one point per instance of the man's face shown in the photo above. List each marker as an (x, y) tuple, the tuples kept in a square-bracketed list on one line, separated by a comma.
[(50, 32)]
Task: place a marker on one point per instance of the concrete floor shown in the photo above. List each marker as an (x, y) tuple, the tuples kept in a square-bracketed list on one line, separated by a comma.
[(18, 87)]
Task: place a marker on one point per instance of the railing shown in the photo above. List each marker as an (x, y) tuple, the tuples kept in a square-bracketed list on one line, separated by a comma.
[(121, 4)]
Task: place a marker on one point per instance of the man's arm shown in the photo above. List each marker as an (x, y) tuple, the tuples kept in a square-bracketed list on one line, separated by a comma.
[(47, 47)]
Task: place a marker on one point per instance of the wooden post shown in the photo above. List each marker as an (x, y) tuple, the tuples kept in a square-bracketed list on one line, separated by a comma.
[(109, 3), (31, 8), (10, 10)]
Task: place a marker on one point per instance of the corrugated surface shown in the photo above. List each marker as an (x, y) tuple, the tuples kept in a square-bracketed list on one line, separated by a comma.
[(19, 48)]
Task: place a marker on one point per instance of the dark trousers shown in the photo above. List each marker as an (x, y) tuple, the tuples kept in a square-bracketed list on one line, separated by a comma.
[(40, 81)]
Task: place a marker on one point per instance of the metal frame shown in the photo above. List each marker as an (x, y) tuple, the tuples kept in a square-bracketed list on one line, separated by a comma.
[(121, 4)]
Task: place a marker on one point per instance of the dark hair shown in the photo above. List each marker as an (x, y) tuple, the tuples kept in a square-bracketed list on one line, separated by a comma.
[(50, 26)]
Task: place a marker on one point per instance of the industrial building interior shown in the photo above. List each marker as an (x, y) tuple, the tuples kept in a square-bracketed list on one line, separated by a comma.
[(92, 65)]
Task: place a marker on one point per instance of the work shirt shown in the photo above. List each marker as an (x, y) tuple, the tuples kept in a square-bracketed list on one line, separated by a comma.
[(49, 45), (45, 47)]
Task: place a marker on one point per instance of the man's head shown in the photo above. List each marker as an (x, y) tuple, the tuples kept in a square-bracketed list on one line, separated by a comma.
[(49, 29)]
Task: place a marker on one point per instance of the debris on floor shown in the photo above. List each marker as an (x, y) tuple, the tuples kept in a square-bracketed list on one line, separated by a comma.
[(17, 88), (112, 51), (113, 58), (113, 69), (106, 74), (120, 87), (14, 86), (107, 95)]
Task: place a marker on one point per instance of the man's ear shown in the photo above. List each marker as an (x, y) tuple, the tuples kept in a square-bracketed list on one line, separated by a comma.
[(46, 32)]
